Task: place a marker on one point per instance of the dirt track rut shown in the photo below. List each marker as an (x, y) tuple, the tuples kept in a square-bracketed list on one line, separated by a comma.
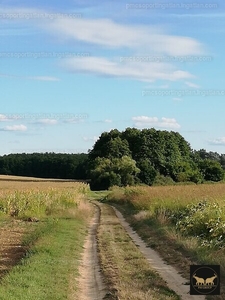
[(91, 281)]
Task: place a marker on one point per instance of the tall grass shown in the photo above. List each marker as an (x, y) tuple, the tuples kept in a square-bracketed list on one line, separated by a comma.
[(185, 223), (195, 210), (39, 203)]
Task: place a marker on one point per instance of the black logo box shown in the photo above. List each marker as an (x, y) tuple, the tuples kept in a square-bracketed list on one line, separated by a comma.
[(204, 280)]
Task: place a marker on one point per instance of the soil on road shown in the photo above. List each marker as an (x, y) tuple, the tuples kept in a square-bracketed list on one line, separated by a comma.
[(91, 280)]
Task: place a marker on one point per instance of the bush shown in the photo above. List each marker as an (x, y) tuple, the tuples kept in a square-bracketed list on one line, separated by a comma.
[(163, 180), (204, 220)]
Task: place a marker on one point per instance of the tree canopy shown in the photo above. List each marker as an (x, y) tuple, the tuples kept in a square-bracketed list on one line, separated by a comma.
[(151, 153)]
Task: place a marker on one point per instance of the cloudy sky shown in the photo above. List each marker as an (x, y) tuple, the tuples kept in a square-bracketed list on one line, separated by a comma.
[(70, 70)]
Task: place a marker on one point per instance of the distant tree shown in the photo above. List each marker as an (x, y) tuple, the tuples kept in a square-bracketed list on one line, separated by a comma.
[(46, 165), (211, 170), (222, 160)]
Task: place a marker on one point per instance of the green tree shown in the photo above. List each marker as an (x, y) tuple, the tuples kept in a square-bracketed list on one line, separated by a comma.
[(147, 173), (187, 171), (211, 170)]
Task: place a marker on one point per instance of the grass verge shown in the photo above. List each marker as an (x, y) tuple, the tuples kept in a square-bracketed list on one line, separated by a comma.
[(50, 267)]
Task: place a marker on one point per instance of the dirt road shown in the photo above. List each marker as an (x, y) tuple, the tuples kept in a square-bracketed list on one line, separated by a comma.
[(92, 283)]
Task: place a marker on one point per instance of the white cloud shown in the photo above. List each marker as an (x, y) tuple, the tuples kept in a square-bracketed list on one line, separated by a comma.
[(177, 99), (43, 78), (3, 118), (47, 121), (216, 15), (90, 139), (38, 78), (107, 33), (192, 85), (144, 122), (218, 141), (74, 120), (107, 121), (138, 71), (20, 127)]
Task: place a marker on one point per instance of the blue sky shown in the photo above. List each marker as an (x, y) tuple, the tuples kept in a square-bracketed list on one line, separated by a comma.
[(70, 70)]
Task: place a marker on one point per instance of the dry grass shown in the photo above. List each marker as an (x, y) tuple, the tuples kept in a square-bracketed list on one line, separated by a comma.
[(182, 193), (126, 271), (38, 184)]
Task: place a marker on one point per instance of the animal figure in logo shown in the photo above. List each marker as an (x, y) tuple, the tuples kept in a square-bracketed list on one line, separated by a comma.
[(199, 280), (210, 280)]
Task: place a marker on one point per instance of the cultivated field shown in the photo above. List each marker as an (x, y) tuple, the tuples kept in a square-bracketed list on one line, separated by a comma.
[(42, 229), (43, 225)]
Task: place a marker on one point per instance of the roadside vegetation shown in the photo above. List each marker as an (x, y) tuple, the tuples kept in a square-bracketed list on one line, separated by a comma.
[(54, 218), (189, 219)]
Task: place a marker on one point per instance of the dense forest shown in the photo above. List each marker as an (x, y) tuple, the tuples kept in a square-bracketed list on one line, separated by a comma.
[(45, 165), (133, 156)]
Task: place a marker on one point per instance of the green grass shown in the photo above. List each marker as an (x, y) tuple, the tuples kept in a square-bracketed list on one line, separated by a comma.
[(50, 266), (97, 195)]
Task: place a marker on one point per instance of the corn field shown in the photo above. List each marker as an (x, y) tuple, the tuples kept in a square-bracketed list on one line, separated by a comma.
[(36, 200)]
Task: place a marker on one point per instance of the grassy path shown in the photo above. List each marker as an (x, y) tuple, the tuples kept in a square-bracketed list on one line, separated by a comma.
[(127, 272)]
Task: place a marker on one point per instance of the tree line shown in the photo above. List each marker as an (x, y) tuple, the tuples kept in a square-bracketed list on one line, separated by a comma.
[(148, 156), (129, 157), (45, 165)]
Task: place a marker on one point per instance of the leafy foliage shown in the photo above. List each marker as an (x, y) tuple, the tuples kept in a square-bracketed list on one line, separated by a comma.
[(116, 171), (205, 220), (157, 153)]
